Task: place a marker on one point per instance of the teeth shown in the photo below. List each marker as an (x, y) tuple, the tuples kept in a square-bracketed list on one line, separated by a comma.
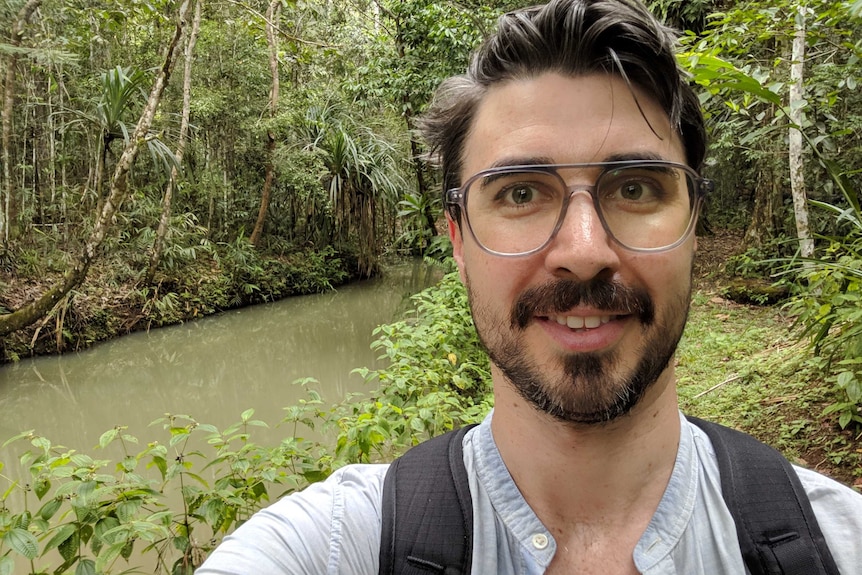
[(580, 322)]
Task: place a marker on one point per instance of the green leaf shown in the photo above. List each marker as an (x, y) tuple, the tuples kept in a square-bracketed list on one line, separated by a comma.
[(161, 463), (41, 487), (86, 567), (21, 435), (23, 542), (103, 526), (7, 565), (127, 549), (85, 492), (110, 554), (127, 509), (69, 548), (63, 533), (50, 508), (180, 567), (108, 437), (9, 490)]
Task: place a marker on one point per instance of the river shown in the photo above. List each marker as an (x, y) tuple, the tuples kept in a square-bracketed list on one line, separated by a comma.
[(211, 369)]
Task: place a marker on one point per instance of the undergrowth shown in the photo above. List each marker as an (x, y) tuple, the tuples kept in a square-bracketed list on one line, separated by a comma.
[(164, 503)]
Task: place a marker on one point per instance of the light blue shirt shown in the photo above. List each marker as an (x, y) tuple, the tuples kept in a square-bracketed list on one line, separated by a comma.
[(333, 527)]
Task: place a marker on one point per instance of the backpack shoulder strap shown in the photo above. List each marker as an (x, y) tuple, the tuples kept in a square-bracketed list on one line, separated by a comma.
[(427, 511), (776, 527)]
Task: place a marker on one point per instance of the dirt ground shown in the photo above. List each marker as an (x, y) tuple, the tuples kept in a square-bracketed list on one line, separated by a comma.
[(713, 252)]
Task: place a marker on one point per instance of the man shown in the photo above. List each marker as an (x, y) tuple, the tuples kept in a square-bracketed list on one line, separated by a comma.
[(569, 153)]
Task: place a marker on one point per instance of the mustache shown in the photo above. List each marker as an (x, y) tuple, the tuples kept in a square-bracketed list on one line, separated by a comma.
[(562, 295)]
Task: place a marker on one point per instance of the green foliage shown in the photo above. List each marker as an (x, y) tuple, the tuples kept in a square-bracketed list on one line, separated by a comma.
[(743, 366), (829, 305), (120, 88), (763, 261), (415, 236), (742, 60), (683, 14), (437, 377), (420, 43), (173, 498), (96, 513), (830, 313)]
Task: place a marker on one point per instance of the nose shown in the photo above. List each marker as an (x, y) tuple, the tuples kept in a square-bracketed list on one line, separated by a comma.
[(582, 249)]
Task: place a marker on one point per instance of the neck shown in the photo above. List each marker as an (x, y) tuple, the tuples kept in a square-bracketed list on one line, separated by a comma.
[(618, 470)]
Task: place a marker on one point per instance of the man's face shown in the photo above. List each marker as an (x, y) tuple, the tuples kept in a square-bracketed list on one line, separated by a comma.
[(583, 328)]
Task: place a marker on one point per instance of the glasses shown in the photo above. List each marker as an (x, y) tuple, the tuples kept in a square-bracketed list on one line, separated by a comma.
[(644, 205)]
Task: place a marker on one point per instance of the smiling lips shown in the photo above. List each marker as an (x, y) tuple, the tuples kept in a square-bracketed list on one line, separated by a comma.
[(581, 322)]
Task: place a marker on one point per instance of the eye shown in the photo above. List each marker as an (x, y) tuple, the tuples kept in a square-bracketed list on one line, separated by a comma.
[(632, 188), (633, 191), (520, 194), (637, 190)]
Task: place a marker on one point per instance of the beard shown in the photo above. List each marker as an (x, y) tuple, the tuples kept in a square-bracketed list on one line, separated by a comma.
[(589, 388)]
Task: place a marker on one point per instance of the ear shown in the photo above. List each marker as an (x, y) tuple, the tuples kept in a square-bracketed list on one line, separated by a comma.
[(457, 244)]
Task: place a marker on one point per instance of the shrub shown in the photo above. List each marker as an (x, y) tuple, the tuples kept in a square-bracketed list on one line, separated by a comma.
[(175, 497), (830, 313)]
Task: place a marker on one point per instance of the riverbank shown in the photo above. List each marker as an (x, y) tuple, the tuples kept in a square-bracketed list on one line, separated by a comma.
[(111, 302), (739, 363)]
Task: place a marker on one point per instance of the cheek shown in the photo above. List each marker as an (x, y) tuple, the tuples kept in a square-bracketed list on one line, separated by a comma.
[(496, 281), (665, 276)]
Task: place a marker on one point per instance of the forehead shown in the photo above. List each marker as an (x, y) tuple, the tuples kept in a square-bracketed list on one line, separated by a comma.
[(563, 119)]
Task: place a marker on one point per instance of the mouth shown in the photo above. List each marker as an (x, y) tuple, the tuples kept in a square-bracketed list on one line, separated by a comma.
[(579, 322), (581, 306)]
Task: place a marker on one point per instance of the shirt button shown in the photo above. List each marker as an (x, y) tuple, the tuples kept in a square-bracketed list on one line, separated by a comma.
[(540, 541)]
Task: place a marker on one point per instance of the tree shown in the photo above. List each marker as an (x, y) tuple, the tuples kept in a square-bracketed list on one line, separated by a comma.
[(120, 88), (749, 107), (272, 15), (795, 105), (15, 36), (164, 220), (418, 44), (76, 273), (362, 175)]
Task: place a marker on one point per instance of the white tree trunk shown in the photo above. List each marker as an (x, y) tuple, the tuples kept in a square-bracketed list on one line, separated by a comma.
[(796, 104), (6, 191), (167, 199)]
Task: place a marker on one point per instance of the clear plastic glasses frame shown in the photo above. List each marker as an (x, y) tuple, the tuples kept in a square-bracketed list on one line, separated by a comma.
[(643, 205)]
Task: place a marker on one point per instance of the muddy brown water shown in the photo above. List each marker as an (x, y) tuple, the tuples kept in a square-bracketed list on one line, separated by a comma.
[(211, 369)]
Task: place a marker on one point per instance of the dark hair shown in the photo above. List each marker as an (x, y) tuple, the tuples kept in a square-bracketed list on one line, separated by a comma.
[(574, 38)]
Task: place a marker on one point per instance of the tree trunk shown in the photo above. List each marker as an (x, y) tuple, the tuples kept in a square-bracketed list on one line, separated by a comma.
[(422, 185), (164, 220), (418, 163), (796, 103), (7, 191), (73, 277), (266, 194), (767, 202)]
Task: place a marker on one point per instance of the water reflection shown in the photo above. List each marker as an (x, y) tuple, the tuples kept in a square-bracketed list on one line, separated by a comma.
[(211, 369)]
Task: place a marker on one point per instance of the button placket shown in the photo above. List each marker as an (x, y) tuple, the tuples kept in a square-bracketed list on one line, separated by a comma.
[(540, 541)]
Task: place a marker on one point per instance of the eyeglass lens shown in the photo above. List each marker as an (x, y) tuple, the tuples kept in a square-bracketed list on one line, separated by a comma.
[(642, 207)]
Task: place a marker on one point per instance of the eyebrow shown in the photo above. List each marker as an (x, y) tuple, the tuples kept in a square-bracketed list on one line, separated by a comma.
[(544, 160), (627, 157), (522, 161)]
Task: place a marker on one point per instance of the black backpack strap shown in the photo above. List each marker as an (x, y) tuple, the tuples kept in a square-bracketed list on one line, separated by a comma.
[(427, 511), (776, 527)]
